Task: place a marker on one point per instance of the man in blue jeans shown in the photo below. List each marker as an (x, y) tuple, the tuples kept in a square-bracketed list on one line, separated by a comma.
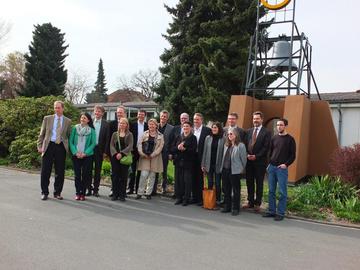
[(282, 155)]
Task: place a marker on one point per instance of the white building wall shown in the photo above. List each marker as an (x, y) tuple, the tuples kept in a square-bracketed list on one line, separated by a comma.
[(350, 125)]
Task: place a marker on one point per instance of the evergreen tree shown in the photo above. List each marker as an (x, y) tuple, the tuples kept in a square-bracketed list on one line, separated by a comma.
[(45, 71), (99, 94), (206, 62)]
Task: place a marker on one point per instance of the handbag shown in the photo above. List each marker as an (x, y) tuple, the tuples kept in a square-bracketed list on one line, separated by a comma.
[(209, 195), (125, 160)]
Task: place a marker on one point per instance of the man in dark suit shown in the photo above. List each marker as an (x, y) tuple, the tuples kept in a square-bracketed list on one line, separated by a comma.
[(257, 146), (53, 143), (101, 129), (200, 131), (113, 127), (232, 123), (137, 129), (166, 129)]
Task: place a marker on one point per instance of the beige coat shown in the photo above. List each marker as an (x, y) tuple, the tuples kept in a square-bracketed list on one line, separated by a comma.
[(46, 130), (155, 164)]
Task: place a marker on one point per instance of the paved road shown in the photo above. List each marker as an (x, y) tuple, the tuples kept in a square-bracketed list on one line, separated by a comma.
[(101, 234)]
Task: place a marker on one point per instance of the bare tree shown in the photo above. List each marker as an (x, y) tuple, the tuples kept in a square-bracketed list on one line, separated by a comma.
[(143, 81), (77, 87), (12, 71), (124, 82)]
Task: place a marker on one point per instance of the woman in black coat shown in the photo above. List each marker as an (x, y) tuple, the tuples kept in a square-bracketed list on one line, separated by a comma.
[(185, 152)]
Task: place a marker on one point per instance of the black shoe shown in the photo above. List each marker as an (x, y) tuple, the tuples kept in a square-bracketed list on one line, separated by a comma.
[(130, 192), (114, 198), (138, 197), (185, 203), (88, 193), (122, 199), (96, 194), (154, 194), (58, 196), (173, 197), (193, 201), (148, 197), (235, 212), (178, 202), (225, 210), (44, 197), (268, 214), (278, 218), (199, 204)]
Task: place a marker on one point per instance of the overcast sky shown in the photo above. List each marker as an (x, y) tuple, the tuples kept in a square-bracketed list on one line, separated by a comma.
[(127, 35)]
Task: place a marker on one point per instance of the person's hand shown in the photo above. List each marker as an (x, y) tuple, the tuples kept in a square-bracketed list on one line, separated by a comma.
[(251, 157), (40, 150), (118, 156), (170, 157), (203, 169), (282, 166), (78, 155), (181, 147)]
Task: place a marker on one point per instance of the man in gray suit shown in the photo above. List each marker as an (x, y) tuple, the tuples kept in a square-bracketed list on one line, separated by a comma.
[(53, 145), (166, 130)]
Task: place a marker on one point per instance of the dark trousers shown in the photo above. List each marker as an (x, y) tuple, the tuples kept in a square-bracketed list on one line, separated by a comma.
[(231, 184), (55, 154), (198, 182), (119, 179), (183, 183), (98, 159), (82, 170), (214, 177), (255, 173), (135, 174), (165, 159)]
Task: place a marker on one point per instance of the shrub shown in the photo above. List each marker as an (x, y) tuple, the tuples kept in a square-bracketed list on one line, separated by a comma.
[(106, 168), (326, 192), (345, 162), (323, 190), (23, 150), (20, 121), (21, 115)]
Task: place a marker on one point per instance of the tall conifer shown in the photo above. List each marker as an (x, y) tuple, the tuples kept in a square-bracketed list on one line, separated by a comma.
[(45, 63)]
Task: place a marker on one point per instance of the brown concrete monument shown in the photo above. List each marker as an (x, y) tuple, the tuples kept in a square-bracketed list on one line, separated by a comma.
[(310, 123)]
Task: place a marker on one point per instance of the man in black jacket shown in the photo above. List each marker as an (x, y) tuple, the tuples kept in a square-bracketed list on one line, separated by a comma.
[(137, 129), (200, 132), (257, 146), (101, 129)]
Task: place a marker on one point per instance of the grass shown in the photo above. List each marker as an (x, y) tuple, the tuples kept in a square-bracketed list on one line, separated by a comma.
[(4, 161)]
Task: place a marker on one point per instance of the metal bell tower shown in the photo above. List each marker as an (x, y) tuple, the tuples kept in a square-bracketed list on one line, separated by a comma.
[(287, 55)]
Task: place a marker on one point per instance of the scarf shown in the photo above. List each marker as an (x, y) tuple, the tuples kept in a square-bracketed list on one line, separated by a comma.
[(82, 133)]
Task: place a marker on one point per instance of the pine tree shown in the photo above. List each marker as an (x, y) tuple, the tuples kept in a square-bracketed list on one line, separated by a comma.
[(206, 62), (45, 70), (99, 94)]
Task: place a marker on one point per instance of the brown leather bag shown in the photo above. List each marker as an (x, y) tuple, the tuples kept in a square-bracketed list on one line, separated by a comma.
[(209, 195)]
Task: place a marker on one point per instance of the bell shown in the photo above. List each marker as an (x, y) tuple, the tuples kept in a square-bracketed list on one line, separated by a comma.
[(281, 52)]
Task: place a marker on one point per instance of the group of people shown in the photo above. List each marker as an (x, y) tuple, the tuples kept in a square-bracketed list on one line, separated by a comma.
[(214, 157)]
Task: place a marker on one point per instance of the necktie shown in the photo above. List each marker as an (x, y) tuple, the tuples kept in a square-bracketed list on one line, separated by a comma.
[(58, 131), (254, 136), (253, 140)]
